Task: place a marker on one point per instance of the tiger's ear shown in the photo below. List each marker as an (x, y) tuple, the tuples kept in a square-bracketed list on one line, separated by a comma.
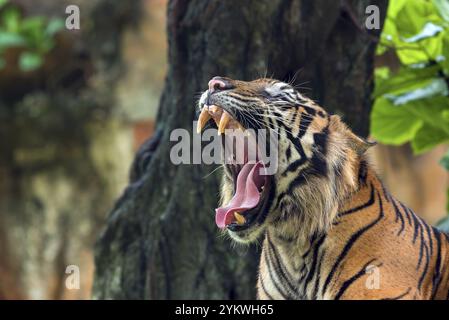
[(358, 144)]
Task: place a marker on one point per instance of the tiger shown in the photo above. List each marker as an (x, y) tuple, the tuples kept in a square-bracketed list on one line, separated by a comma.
[(329, 228)]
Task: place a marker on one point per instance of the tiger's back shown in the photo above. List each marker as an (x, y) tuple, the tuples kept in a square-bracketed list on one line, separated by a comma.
[(377, 248)]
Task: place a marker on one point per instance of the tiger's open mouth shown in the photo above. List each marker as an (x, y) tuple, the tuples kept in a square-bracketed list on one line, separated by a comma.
[(251, 185)]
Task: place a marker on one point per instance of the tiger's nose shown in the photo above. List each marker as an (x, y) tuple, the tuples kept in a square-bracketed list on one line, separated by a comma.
[(218, 83)]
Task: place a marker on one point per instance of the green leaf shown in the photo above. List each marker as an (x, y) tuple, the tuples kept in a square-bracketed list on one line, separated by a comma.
[(442, 7), (445, 115), (395, 6), (429, 30), (54, 26), (445, 161), (411, 19), (32, 24), (436, 87), (444, 61), (404, 80), (393, 125), (428, 137), (425, 50), (30, 61), (432, 111), (8, 39), (382, 73), (389, 36), (418, 32), (3, 2), (33, 30), (414, 54), (11, 19)]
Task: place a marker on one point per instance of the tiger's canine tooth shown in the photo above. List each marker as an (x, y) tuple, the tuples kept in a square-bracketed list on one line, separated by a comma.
[(213, 108), (202, 119), (224, 120), (240, 219)]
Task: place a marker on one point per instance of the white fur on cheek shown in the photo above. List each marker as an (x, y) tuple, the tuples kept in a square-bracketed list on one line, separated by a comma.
[(274, 89)]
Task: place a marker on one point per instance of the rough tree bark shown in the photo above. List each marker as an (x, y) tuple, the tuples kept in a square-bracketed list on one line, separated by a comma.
[(161, 241)]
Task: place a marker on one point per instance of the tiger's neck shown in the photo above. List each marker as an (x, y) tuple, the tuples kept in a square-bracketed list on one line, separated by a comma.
[(369, 229), (313, 209)]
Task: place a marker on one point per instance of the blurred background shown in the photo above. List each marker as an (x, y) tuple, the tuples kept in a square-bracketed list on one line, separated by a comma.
[(76, 105)]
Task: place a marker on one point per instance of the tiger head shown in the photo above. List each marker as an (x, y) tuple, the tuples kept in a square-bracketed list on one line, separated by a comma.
[(317, 164)]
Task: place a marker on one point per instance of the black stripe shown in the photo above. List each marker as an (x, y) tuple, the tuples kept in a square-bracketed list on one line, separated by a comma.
[(304, 124), (279, 199), (265, 289), (386, 194), (296, 182), (369, 203), (295, 115), (261, 218), (426, 267), (271, 272), (429, 236), (290, 97), (417, 224), (244, 99), (299, 148), (284, 272), (288, 152), (313, 266), (294, 165), (318, 277), (254, 122), (436, 280), (318, 160), (407, 214), (420, 255), (398, 215), (309, 110), (356, 236), (363, 172), (351, 280), (400, 296)]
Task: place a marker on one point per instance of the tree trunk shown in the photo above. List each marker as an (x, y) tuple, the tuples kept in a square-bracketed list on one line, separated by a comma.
[(161, 241)]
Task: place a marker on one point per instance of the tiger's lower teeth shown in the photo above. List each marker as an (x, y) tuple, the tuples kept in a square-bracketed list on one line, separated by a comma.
[(239, 218)]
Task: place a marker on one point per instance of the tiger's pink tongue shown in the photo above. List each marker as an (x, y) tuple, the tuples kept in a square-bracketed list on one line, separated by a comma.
[(247, 195)]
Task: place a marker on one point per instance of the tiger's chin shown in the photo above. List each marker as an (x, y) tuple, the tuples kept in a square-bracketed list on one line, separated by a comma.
[(247, 236), (256, 220)]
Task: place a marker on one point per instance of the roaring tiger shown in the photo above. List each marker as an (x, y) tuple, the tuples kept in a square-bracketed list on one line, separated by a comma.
[(330, 226)]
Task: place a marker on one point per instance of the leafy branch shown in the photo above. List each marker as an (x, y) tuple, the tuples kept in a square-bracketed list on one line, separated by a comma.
[(412, 104), (34, 36)]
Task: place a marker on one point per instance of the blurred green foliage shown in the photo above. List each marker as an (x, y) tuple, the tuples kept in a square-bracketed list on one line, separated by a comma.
[(34, 35), (412, 102)]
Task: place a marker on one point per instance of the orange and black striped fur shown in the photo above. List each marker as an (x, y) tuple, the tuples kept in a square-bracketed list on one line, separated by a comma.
[(331, 229)]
